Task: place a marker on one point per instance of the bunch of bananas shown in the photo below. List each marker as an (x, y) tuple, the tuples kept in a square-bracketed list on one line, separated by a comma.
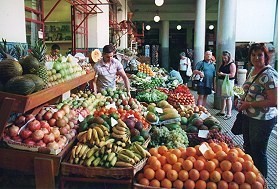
[(131, 156), (94, 136), (121, 132)]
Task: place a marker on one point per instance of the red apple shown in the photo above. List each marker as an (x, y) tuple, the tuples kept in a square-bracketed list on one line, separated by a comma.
[(48, 138), (66, 108), (45, 124), (20, 120), (52, 122), (29, 141), (48, 115), (25, 133), (63, 130), (56, 132), (38, 135), (13, 130), (39, 117), (34, 125), (41, 143), (29, 117), (17, 138), (45, 130)]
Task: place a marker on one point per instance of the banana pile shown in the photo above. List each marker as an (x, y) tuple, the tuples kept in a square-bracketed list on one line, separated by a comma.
[(131, 156), (94, 136), (121, 132)]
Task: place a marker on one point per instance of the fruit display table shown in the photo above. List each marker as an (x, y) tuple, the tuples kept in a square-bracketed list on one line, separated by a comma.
[(44, 166)]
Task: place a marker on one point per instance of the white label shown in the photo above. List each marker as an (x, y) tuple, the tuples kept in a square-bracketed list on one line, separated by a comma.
[(203, 133), (49, 65), (66, 95), (80, 118), (113, 105), (40, 34), (203, 116), (203, 148), (159, 110), (113, 122)]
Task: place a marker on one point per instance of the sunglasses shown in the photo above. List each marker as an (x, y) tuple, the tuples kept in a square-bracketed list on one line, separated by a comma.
[(226, 53)]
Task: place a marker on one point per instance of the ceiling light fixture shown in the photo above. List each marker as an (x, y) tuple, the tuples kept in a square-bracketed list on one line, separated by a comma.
[(148, 27), (179, 27), (159, 2), (156, 17), (211, 27)]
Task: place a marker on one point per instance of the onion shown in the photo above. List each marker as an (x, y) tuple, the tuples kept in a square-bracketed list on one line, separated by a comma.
[(53, 145)]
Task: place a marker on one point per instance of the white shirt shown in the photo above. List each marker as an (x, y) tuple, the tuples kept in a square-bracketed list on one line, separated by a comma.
[(184, 63)]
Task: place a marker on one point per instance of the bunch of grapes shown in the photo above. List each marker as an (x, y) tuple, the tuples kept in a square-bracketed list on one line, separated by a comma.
[(194, 139), (217, 137)]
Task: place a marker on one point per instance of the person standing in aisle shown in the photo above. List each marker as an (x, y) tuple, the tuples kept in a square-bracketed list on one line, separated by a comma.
[(176, 74), (107, 70), (259, 106), (227, 67), (206, 70), (54, 54), (184, 63)]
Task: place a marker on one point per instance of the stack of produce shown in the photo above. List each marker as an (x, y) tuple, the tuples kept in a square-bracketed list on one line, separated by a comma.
[(142, 82), (218, 167), (145, 68), (180, 96), (105, 147), (149, 96), (195, 123)]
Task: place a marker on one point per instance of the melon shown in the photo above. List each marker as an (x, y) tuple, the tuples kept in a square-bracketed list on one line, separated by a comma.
[(20, 85), (30, 65), (8, 69), (39, 83)]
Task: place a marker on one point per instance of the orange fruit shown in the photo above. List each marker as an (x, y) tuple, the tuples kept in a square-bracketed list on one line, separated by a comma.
[(172, 175), (216, 162), (225, 165), (216, 148), (191, 158), (232, 156), (215, 176), (184, 154), (144, 181), (204, 175), (167, 167), (177, 166), (165, 183), (187, 165), (160, 174), (250, 177), (194, 174), (221, 155), (155, 165), (209, 166), (153, 151), (183, 175), (190, 151), (236, 167), (239, 177), (241, 153), (178, 184), (181, 160), (162, 150), (222, 184), (198, 152), (198, 164), (200, 184), (257, 185), (245, 186), (171, 159), (224, 146), (233, 185), (152, 159), (240, 159), (154, 183), (177, 152), (227, 176), (233, 150), (212, 144), (219, 170), (260, 179), (211, 185), (247, 157), (209, 154), (202, 158), (149, 173), (162, 160), (189, 184), (247, 165), (182, 149), (255, 170)]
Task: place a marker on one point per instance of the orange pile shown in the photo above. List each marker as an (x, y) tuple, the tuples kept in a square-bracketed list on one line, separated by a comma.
[(145, 68), (218, 167)]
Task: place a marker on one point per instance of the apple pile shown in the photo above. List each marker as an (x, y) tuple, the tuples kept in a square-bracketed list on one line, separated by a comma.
[(49, 128)]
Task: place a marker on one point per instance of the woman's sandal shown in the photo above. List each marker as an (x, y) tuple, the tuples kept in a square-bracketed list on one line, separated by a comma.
[(226, 117), (220, 114)]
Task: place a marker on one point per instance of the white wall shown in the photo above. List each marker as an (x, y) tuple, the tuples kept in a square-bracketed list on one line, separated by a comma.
[(12, 21), (255, 20)]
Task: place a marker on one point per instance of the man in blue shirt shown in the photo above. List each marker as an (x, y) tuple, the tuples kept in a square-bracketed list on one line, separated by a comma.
[(174, 73)]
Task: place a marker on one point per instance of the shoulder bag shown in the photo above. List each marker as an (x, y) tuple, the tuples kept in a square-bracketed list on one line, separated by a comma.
[(237, 125), (196, 79)]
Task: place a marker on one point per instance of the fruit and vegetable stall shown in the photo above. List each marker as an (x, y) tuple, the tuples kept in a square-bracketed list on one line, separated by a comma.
[(158, 138)]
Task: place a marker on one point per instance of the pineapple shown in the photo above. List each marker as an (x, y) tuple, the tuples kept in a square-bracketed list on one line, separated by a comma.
[(5, 51), (20, 51), (39, 52)]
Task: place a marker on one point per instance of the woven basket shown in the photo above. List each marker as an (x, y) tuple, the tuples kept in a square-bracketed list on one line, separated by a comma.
[(113, 172)]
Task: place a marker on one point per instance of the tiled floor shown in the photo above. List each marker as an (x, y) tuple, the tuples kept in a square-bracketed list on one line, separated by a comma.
[(13, 180)]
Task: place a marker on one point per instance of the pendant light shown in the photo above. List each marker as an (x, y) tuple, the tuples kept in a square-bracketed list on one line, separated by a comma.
[(156, 17), (148, 27), (159, 2), (211, 27), (179, 27)]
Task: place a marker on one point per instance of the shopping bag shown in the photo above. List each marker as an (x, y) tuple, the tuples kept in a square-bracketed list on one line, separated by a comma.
[(189, 71), (227, 87), (237, 125)]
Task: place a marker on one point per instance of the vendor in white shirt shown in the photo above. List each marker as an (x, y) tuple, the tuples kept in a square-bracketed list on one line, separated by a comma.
[(184, 63)]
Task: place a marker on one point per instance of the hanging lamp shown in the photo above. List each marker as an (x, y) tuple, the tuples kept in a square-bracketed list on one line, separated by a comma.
[(159, 2), (156, 17), (148, 27), (179, 27)]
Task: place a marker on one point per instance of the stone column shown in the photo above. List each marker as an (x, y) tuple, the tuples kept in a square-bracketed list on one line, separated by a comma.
[(226, 38), (165, 44), (199, 31)]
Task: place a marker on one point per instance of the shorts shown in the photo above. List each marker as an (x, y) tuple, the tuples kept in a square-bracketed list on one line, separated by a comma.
[(204, 90)]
